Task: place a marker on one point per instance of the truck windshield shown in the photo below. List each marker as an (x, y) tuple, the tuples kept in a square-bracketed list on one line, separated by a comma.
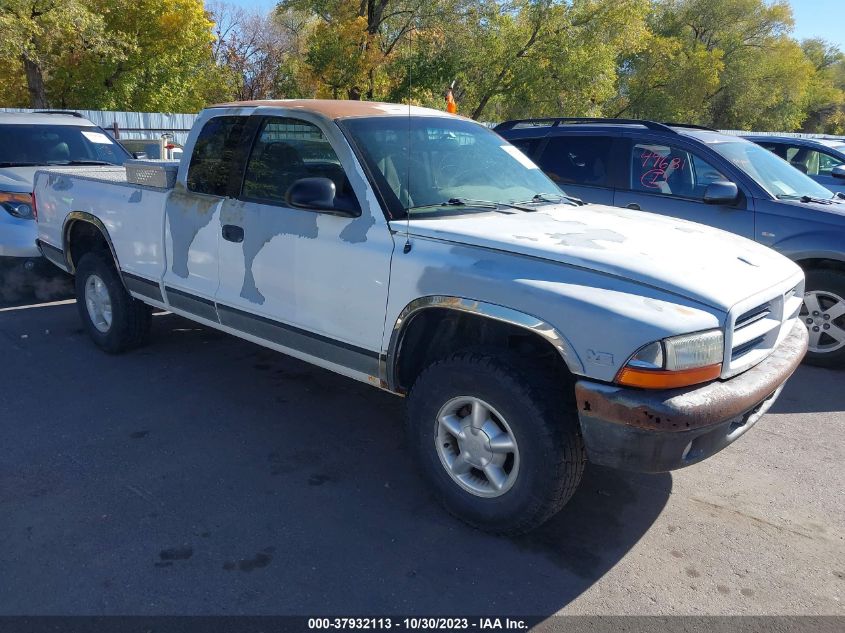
[(57, 145), (453, 166), (775, 175)]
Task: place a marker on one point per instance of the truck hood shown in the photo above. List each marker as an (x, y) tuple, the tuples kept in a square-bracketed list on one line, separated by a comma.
[(17, 179), (701, 263)]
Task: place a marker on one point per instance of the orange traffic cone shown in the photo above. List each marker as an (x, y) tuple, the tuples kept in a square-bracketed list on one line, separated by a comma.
[(451, 106)]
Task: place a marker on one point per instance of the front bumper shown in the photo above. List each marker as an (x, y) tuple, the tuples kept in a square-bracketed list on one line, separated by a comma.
[(656, 431), (17, 238)]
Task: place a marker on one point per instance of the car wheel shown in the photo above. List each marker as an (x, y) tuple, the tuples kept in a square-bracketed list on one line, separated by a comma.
[(823, 313), (497, 440), (113, 318)]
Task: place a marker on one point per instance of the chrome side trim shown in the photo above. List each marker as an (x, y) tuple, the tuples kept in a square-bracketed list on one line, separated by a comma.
[(148, 288), (54, 255), (81, 216), (481, 308)]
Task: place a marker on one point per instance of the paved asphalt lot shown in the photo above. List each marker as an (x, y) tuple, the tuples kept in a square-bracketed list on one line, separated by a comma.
[(205, 475)]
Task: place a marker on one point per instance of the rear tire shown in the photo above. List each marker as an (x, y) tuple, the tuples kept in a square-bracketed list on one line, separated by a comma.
[(526, 417), (824, 315), (115, 321)]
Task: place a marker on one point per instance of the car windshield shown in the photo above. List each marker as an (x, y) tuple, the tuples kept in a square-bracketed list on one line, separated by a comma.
[(57, 145), (775, 175), (453, 166)]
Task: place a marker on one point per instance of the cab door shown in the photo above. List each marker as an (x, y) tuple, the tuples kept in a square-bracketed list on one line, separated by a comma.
[(192, 212), (310, 283), (671, 179)]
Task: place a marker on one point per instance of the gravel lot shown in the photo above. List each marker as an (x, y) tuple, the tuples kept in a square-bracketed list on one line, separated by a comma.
[(205, 475)]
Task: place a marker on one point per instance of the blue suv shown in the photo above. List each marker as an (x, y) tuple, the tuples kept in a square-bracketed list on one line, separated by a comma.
[(698, 174)]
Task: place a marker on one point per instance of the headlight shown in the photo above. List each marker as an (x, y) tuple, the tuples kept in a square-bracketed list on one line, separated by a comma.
[(18, 205), (679, 361)]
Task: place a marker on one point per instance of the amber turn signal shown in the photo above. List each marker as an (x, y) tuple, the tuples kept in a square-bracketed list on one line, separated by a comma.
[(662, 379)]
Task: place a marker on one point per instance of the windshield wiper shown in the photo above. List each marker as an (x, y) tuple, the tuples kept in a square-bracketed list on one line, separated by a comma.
[(14, 164), (81, 162), (555, 197), (470, 202), (805, 199)]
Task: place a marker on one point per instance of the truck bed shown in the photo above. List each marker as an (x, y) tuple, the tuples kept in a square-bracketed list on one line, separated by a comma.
[(132, 213)]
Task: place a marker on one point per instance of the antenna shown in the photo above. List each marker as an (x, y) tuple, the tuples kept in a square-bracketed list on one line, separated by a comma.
[(407, 247)]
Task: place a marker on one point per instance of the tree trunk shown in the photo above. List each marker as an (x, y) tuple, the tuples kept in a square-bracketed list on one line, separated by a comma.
[(35, 84)]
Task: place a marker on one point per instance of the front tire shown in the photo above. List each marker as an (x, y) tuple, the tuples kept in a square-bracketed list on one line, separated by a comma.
[(115, 321), (823, 313), (498, 441)]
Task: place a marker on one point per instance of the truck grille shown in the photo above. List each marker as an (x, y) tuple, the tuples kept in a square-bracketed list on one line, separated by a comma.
[(756, 327)]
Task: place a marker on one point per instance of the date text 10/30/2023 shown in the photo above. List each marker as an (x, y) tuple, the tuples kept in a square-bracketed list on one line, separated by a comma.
[(420, 623)]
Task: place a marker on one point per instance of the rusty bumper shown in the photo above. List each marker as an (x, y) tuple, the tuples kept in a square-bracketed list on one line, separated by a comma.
[(656, 431)]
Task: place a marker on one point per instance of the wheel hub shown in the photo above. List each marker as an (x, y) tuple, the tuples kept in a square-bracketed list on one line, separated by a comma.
[(98, 303), (476, 447), (475, 444), (824, 315)]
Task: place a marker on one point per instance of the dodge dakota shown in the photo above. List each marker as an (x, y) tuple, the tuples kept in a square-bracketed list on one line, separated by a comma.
[(419, 252)]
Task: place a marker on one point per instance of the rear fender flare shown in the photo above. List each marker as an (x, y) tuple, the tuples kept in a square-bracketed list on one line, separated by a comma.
[(81, 216)]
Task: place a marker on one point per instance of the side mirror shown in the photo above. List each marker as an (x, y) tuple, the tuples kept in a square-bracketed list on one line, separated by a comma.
[(139, 154), (316, 194), (838, 171), (721, 192)]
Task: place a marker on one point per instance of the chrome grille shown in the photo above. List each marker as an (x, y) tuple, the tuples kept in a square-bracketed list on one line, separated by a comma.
[(756, 327)]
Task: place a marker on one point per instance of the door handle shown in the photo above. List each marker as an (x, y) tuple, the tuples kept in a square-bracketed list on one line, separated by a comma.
[(233, 233), (633, 206)]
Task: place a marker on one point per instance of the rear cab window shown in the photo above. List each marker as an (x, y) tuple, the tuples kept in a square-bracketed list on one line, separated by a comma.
[(214, 155)]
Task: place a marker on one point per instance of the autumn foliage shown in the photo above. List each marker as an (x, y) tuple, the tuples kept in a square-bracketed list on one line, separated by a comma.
[(726, 63)]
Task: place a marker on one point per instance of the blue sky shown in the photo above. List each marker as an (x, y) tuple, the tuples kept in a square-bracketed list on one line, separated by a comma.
[(820, 18), (258, 4), (813, 18)]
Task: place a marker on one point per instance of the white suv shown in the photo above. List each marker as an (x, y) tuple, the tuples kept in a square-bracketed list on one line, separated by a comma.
[(29, 141)]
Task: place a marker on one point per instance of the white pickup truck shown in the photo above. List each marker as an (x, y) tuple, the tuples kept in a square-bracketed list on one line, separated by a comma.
[(419, 252)]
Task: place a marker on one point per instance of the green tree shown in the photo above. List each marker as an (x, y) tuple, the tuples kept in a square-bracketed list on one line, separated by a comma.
[(40, 36), (826, 94), (505, 58), (111, 54), (726, 63)]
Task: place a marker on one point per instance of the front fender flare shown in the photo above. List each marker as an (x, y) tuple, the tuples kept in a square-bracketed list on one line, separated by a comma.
[(487, 310)]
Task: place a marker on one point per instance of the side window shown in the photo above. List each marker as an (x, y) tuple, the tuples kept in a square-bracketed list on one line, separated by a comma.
[(671, 171), (527, 146), (827, 164), (775, 148), (703, 174), (812, 162), (213, 154), (287, 150), (579, 160)]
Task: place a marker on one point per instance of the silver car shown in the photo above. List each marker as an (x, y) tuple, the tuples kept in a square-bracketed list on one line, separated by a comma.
[(29, 141)]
